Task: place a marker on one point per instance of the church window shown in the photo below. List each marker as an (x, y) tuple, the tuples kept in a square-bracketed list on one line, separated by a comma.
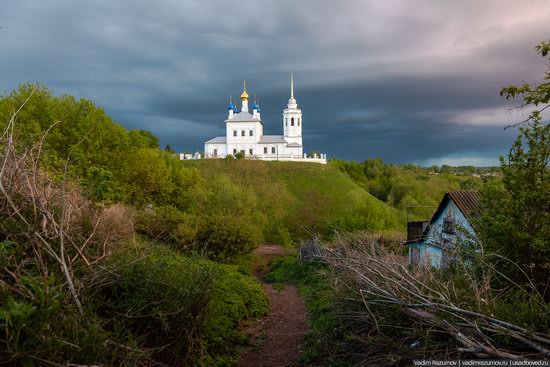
[(242, 133), (292, 121), (286, 121), (272, 150), (251, 133), (265, 150), (215, 152), (234, 151), (234, 132), (298, 121), (242, 151), (250, 151)]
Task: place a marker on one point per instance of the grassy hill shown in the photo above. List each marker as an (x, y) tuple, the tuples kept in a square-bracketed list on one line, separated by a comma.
[(304, 197)]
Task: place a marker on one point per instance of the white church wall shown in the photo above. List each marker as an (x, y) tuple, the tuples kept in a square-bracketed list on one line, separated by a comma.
[(215, 150), (240, 132)]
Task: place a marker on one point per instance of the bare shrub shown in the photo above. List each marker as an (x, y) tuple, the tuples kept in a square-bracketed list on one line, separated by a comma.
[(116, 223), (403, 312), (51, 216)]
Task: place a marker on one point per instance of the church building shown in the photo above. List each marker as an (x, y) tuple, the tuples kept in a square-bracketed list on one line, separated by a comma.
[(244, 133)]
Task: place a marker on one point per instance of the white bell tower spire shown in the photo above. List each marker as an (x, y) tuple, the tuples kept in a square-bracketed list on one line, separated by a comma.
[(292, 118)]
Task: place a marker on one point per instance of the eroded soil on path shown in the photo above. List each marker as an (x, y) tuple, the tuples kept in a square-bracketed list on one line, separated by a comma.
[(277, 338)]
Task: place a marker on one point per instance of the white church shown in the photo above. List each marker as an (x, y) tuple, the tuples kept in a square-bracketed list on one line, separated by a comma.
[(244, 133)]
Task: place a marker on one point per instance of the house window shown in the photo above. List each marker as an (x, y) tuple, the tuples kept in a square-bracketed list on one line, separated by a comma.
[(215, 152), (251, 133), (234, 151), (272, 150), (242, 133), (449, 225), (250, 151), (265, 150), (234, 132), (292, 121)]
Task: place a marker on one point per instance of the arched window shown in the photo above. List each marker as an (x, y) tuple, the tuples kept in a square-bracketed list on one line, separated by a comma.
[(234, 132), (242, 133), (273, 150), (250, 151), (251, 133), (234, 151), (292, 121), (265, 150)]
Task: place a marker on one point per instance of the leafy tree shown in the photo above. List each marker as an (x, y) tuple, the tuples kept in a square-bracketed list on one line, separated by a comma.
[(143, 139), (515, 219)]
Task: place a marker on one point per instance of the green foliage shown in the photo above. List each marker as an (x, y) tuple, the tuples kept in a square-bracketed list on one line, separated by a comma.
[(296, 197), (238, 296), (408, 187), (39, 323), (516, 217), (223, 219), (112, 163), (187, 309)]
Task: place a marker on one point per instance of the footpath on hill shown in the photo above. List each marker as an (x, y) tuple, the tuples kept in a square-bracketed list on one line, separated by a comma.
[(277, 338)]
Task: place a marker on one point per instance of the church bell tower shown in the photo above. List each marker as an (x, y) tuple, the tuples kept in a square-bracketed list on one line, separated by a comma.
[(292, 118)]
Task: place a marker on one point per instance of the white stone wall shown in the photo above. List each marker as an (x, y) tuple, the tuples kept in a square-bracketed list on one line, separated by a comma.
[(215, 149), (239, 127), (292, 133)]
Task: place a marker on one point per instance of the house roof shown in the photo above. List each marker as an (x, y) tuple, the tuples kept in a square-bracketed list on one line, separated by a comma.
[(218, 139), (467, 202), (265, 139)]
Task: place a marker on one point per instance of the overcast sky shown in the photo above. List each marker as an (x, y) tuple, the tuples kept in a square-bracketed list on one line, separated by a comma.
[(409, 81)]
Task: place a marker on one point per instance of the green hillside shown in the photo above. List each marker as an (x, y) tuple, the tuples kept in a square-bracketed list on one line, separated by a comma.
[(304, 197)]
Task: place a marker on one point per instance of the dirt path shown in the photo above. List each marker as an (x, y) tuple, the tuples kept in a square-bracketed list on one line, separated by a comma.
[(277, 338)]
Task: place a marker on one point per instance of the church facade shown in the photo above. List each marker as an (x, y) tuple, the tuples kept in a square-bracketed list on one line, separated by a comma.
[(244, 134)]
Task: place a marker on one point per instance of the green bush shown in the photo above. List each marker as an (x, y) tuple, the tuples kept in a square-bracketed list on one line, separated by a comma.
[(225, 237), (181, 308), (39, 323), (238, 296)]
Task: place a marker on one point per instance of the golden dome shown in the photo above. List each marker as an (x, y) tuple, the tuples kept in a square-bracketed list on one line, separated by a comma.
[(244, 95)]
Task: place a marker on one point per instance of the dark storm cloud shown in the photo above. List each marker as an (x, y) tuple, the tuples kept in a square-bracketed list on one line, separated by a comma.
[(409, 81)]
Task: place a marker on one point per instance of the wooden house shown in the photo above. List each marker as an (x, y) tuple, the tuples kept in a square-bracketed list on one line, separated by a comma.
[(433, 242)]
